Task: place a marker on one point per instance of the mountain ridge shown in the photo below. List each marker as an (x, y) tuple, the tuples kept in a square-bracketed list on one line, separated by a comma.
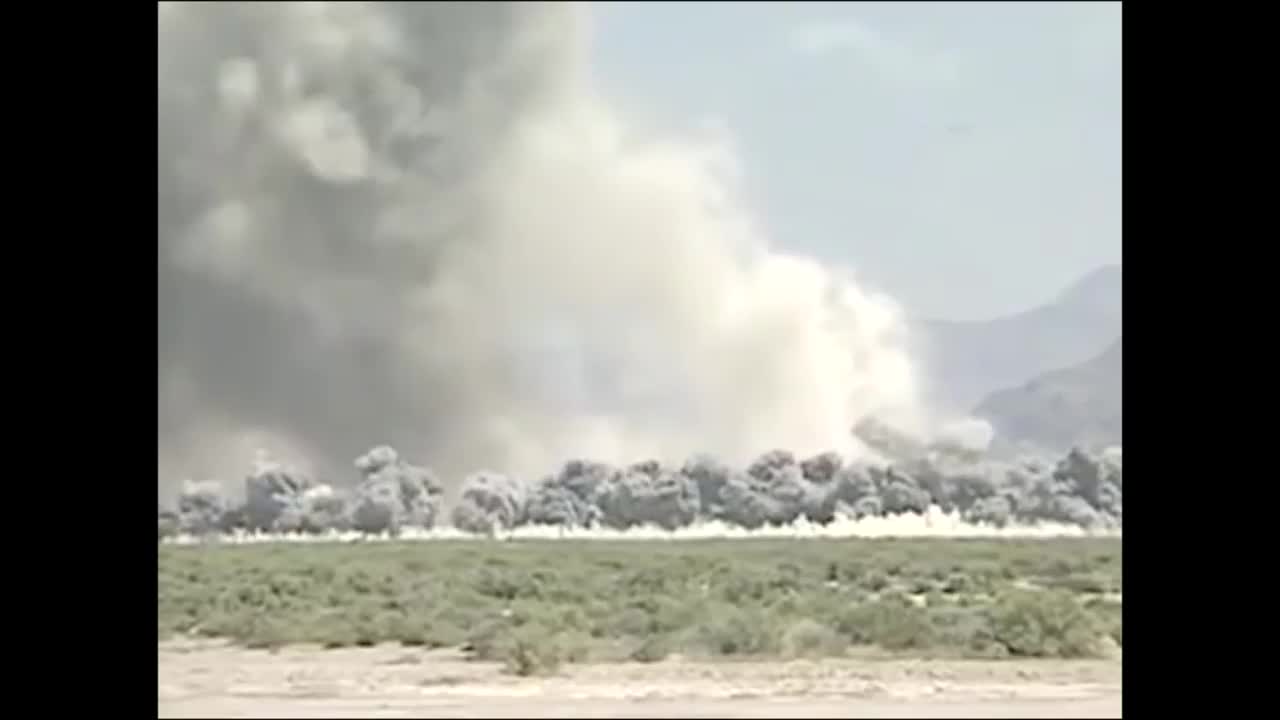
[(965, 361), (1078, 406)]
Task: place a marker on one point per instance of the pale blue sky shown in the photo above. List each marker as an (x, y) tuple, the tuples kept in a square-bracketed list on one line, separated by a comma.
[(964, 157)]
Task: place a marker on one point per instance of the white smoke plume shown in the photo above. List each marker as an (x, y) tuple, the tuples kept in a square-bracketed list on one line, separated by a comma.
[(417, 224), (935, 523)]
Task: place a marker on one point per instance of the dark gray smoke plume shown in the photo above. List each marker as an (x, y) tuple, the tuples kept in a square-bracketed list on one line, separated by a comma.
[(647, 494), (273, 491), (490, 502), (393, 494), (710, 476), (417, 223), (855, 490), (202, 510), (571, 497), (1081, 489), (170, 524), (317, 510)]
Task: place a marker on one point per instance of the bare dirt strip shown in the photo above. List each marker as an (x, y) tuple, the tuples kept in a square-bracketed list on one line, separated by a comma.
[(216, 680)]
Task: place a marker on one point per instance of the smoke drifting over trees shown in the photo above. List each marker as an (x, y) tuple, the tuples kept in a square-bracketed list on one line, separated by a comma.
[(777, 489), (417, 223)]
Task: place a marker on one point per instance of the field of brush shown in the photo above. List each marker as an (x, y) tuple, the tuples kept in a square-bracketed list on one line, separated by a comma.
[(536, 604)]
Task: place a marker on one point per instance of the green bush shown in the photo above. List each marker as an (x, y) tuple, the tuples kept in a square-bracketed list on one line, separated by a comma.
[(653, 648), (875, 581), (367, 634), (532, 652), (614, 600), (957, 583), (490, 640), (224, 624), (443, 630), (965, 630), (900, 624), (732, 631), (266, 633), (631, 621), (892, 622), (809, 638), (1078, 583), (1044, 624), (1110, 617), (337, 634), (574, 646), (920, 586), (675, 614), (412, 634)]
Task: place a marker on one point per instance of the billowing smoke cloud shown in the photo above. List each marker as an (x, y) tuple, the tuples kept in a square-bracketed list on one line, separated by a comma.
[(273, 491), (490, 502), (1080, 490), (416, 223), (394, 494)]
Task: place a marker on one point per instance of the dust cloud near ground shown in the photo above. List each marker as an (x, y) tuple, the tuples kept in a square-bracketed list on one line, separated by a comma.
[(208, 679)]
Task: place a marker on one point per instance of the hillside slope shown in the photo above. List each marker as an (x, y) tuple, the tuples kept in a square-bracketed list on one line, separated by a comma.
[(1076, 406), (965, 361)]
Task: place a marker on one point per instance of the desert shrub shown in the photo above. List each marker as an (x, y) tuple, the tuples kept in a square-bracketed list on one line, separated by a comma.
[(935, 599), (733, 597), (647, 581), (574, 646), (919, 585), (531, 651), (786, 606), (965, 630), (266, 633), (166, 628), (533, 612), (823, 606), (444, 630), (900, 625), (367, 634), (875, 581), (498, 584), (673, 614), (744, 591), (631, 621), (653, 648), (809, 638), (570, 618), (1044, 624), (490, 640), (224, 624), (1110, 617), (1078, 583), (988, 573), (892, 622), (337, 634), (414, 635), (956, 583), (734, 631), (396, 626)]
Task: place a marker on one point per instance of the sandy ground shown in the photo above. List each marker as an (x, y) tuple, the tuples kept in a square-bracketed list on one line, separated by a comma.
[(214, 680)]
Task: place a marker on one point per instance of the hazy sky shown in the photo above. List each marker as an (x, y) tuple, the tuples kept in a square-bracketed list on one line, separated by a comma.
[(964, 157)]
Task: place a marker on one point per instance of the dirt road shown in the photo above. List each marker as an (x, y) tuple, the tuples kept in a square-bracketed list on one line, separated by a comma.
[(211, 680)]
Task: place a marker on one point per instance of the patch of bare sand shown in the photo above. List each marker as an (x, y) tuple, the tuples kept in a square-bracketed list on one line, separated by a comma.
[(216, 680)]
